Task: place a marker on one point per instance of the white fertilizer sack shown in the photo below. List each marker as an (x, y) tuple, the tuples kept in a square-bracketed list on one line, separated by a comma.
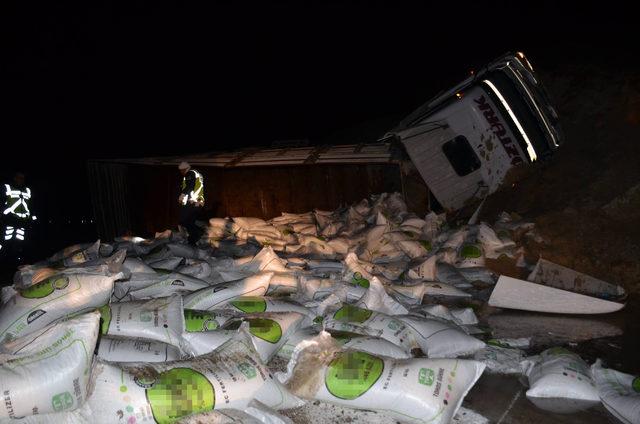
[(197, 269), (374, 345), (255, 413), (204, 342), (377, 299), (412, 293), (459, 316), (145, 286), (414, 390), (157, 319), (355, 273), (441, 340), (137, 266), (304, 333), (170, 263), (187, 251), (283, 283), (48, 370), (35, 307), (449, 274), (470, 255), (76, 255), (619, 392), (161, 393), (352, 319), (317, 289), (28, 275), (369, 344), (493, 245), (196, 321), (560, 381), (269, 332), (265, 260), (500, 360), (425, 270), (136, 350), (258, 304), (213, 296), (413, 248)]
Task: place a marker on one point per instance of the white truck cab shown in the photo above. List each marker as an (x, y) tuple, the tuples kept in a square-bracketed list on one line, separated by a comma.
[(465, 140)]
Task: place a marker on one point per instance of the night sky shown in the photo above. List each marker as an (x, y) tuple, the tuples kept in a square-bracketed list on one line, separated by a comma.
[(119, 79)]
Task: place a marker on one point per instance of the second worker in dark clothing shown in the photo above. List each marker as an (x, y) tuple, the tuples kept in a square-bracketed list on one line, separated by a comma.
[(191, 200)]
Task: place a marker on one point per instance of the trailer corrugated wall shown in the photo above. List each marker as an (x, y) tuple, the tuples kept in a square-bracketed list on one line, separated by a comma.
[(109, 186), (151, 192)]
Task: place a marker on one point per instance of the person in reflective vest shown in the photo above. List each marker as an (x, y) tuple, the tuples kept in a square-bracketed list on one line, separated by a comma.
[(191, 200), (16, 215)]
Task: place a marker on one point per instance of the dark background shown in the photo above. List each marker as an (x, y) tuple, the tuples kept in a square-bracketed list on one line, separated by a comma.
[(104, 79)]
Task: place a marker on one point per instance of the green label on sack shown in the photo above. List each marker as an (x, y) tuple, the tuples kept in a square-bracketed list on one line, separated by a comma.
[(196, 321), (636, 384), (426, 244), (62, 401), (359, 280), (105, 318), (343, 337), (394, 325), (180, 392), (426, 376), (45, 288), (78, 258), (265, 329), (248, 370), (250, 304), (557, 351), (471, 251), (503, 235), (146, 316), (350, 313), (497, 343), (352, 374)]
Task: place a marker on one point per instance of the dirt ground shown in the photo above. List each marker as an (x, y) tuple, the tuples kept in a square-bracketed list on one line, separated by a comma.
[(585, 200)]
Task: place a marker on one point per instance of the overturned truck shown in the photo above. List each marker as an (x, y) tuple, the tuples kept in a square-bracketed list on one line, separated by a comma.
[(465, 140), (455, 148)]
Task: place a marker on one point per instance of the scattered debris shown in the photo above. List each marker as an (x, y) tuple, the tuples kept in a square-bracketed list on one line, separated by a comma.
[(513, 293), (353, 307)]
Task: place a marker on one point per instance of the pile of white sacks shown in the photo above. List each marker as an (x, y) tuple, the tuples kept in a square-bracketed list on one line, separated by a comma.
[(159, 331)]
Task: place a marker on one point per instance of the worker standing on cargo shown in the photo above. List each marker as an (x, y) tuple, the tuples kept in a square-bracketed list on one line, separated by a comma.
[(191, 200), (16, 218)]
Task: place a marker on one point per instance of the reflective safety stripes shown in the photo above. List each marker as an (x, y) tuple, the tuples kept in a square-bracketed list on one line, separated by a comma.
[(197, 194), (11, 232), (16, 202)]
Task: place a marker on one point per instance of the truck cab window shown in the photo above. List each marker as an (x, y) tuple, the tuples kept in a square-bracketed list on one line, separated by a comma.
[(461, 155)]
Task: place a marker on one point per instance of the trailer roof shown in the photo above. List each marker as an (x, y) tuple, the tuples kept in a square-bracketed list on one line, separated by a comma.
[(382, 152)]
